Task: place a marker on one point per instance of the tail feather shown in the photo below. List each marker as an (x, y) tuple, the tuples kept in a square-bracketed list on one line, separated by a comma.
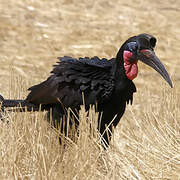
[(21, 105)]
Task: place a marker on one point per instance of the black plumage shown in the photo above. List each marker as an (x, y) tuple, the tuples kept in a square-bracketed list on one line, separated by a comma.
[(95, 78), (103, 83)]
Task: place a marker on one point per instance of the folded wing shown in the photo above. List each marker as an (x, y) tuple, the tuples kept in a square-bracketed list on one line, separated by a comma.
[(70, 78)]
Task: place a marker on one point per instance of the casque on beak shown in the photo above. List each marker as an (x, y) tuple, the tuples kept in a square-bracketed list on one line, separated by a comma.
[(149, 57)]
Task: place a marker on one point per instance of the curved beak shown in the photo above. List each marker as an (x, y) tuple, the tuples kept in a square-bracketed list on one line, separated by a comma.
[(149, 57)]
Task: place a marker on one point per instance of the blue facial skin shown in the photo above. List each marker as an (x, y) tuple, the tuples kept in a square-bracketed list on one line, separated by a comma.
[(132, 46)]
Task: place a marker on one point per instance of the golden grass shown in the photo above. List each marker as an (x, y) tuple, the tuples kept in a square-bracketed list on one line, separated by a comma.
[(146, 143)]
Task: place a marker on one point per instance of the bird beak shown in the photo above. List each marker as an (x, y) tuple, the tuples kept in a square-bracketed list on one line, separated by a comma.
[(149, 57)]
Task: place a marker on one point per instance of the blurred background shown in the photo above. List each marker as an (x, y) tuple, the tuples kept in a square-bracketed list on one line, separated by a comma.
[(33, 33)]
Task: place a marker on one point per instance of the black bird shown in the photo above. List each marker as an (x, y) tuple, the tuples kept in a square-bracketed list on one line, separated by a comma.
[(104, 83)]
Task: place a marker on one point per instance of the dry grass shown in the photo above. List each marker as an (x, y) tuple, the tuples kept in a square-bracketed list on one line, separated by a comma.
[(146, 143)]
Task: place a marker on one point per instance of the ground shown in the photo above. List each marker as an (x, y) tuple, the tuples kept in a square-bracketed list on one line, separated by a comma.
[(146, 143)]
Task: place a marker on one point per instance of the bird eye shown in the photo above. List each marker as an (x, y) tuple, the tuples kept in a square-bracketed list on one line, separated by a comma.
[(132, 46), (153, 42)]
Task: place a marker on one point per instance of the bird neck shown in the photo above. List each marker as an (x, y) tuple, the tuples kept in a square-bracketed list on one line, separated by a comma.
[(120, 70), (125, 66)]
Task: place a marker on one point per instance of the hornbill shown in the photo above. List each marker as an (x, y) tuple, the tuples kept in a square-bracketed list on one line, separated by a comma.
[(107, 84)]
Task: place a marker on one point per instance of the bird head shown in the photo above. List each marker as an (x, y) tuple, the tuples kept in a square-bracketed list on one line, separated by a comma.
[(141, 48)]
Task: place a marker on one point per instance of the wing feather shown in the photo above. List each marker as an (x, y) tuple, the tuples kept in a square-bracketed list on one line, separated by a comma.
[(70, 78)]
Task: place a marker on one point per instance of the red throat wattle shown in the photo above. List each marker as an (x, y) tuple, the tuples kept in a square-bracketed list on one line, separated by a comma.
[(131, 68)]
